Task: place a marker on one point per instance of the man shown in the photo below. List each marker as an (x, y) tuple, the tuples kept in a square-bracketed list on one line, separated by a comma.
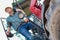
[(19, 22)]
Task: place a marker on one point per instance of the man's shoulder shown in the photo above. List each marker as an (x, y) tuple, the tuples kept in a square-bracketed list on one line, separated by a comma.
[(17, 12), (8, 18)]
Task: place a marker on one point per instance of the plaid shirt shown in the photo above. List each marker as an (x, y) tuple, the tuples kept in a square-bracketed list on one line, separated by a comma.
[(14, 20)]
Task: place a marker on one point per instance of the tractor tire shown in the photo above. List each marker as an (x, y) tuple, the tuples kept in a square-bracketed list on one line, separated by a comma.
[(55, 24)]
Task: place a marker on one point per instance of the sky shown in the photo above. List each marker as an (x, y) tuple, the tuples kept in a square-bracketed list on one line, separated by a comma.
[(3, 5)]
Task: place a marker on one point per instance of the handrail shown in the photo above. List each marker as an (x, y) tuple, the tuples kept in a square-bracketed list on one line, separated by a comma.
[(2, 18), (3, 26)]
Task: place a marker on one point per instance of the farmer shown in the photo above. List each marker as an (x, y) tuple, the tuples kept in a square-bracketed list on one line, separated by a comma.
[(19, 22)]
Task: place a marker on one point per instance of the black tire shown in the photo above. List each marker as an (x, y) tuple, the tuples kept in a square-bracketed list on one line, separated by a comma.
[(55, 24)]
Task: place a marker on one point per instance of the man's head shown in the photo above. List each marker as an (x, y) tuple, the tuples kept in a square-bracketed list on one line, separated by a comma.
[(9, 10)]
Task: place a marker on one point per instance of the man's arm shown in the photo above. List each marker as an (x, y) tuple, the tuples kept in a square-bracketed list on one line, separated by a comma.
[(8, 27), (8, 31), (20, 10)]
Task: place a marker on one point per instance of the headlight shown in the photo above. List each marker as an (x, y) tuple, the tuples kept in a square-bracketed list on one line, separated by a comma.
[(21, 15)]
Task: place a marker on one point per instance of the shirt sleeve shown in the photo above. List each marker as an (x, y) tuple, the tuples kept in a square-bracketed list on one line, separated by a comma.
[(9, 24)]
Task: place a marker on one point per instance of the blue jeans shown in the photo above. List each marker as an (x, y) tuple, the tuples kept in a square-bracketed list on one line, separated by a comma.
[(24, 30)]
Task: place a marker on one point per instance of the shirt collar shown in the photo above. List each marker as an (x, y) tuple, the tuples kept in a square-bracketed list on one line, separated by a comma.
[(13, 14)]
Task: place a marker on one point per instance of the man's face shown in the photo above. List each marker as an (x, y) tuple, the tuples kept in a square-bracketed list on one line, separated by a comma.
[(10, 11)]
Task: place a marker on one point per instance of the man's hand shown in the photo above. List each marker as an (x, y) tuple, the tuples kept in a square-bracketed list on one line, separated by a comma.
[(26, 20), (8, 31)]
